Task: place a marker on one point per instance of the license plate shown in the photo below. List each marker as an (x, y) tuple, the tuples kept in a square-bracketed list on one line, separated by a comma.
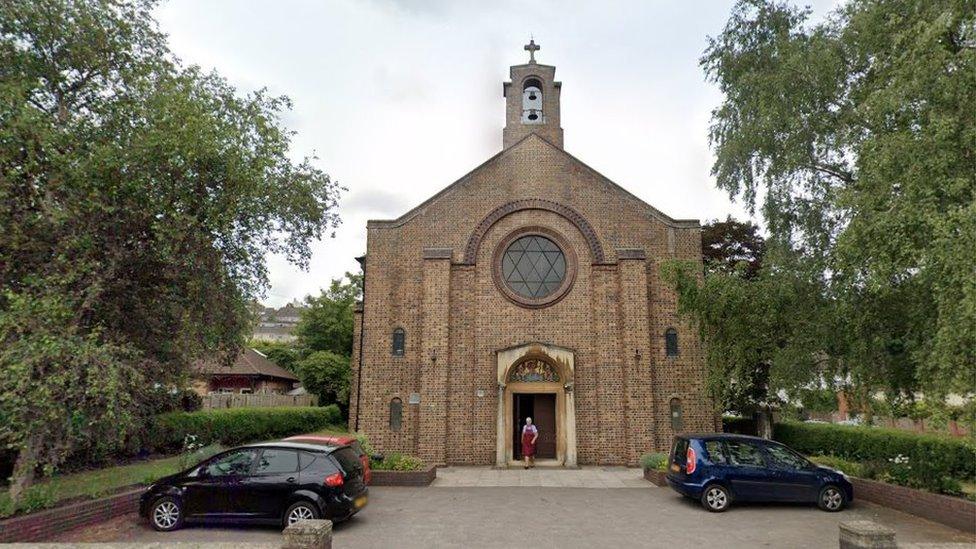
[(360, 502), (675, 467)]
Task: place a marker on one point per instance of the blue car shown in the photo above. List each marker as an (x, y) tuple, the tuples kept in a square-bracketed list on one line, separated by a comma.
[(718, 469)]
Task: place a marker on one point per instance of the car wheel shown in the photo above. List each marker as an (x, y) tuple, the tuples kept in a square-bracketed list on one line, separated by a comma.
[(716, 498), (832, 499), (166, 514), (300, 510)]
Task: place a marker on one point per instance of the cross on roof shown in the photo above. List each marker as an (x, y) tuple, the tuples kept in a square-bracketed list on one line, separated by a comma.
[(532, 47)]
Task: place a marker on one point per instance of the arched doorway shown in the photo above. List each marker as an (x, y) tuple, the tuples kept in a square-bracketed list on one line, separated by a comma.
[(537, 380)]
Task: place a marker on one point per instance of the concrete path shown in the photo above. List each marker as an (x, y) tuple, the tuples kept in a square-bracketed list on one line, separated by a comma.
[(587, 477)]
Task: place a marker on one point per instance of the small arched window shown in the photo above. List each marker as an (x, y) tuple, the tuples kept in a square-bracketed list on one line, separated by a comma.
[(399, 342), (396, 414), (671, 342), (677, 421), (532, 102)]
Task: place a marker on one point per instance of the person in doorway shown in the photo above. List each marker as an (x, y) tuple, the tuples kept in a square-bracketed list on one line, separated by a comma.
[(529, 435)]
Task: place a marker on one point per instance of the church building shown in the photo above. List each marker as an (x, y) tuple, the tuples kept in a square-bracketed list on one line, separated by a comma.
[(530, 287)]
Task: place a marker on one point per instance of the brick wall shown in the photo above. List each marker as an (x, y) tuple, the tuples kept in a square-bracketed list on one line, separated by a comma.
[(613, 317), (47, 524), (954, 512)]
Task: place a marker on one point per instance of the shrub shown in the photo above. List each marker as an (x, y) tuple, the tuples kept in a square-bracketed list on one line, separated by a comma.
[(167, 432), (657, 461), (398, 462), (364, 443), (851, 468), (190, 400), (34, 498), (739, 425), (902, 457)]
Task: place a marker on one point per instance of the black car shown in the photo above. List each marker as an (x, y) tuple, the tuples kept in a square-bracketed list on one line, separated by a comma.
[(272, 482)]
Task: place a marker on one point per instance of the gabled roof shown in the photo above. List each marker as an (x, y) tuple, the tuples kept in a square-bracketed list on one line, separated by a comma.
[(248, 363), (657, 214)]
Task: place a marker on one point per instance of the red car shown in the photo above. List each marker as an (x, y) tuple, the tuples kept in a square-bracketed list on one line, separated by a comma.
[(339, 440)]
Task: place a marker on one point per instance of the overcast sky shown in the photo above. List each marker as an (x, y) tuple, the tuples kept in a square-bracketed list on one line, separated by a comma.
[(398, 99)]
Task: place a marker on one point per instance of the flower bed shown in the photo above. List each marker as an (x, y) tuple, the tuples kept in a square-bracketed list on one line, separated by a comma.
[(655, 468), (656, 477), (421, 477)]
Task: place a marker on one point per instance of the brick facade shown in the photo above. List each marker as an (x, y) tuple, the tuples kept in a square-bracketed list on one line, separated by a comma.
[(433, 273)]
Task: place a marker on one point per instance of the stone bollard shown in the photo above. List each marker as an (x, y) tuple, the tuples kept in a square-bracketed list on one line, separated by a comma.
[(866, 534), (308, 534)]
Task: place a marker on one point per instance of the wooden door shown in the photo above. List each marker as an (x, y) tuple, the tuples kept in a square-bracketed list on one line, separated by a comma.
[(545, 419)]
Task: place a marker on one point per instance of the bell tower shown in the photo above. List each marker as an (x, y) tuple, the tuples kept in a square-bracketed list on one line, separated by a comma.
[(532, 102)]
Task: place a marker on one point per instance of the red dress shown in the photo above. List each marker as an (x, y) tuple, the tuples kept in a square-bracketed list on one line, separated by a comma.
[(528, 447)]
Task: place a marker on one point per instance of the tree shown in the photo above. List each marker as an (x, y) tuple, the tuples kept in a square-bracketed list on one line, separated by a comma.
[(763, 336), (857, 137), (138, 198), (327, 321), (731, 246), (326, 374), (321, 353), (284, 354)]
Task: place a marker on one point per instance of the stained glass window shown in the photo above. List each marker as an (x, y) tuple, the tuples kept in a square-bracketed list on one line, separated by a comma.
[(533, 266)]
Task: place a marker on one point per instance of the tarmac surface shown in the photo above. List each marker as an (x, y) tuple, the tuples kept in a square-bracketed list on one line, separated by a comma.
[(590, 507)]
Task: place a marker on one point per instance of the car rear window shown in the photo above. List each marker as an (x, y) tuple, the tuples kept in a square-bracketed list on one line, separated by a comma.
[(305, 459), (680, 451), (357, 448), (348, 460)]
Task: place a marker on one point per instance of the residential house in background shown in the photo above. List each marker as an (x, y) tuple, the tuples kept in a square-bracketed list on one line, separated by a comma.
[(277, 325), (250, 373)]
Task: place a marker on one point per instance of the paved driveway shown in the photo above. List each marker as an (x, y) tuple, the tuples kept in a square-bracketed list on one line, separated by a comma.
[(550, 516)]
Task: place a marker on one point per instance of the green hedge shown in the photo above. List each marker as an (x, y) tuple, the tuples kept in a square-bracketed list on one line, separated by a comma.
[(939, 455), (738, 425), (237, 425)]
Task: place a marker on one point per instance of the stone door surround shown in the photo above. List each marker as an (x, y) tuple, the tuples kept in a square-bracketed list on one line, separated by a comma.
[(562, 360)]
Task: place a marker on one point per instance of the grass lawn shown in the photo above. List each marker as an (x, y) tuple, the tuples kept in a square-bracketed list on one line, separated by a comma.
[(969, 488), (95, 483)]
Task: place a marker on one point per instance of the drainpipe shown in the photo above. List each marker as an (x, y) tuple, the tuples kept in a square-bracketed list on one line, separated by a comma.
[(362, 333)]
